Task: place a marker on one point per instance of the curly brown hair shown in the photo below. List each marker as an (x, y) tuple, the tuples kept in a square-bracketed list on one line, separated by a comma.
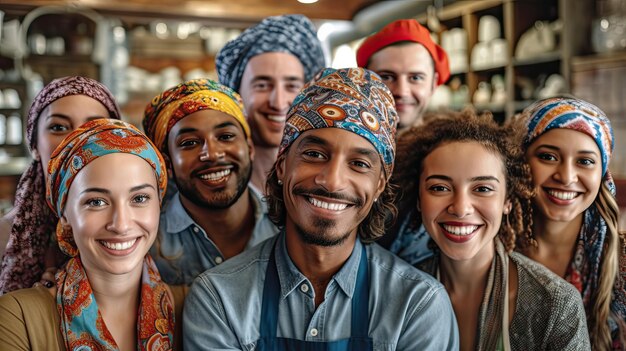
[(381, 215), (450, 126)]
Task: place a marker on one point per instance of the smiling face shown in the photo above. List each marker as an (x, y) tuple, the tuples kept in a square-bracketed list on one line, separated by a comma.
[(211, 159), (60, 118), (269, 84), (462, 198), (409, 73), (114, 215), (566, 166), (331, 178)]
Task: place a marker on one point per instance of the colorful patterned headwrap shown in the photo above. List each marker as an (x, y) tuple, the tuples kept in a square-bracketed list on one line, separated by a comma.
[(33, 223), (354, 99), (575, 114), (169, 107), (293, 34), (92, 140), (66, 86)]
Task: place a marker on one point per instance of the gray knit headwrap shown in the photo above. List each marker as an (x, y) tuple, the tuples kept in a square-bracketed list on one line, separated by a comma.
[(294, 34)]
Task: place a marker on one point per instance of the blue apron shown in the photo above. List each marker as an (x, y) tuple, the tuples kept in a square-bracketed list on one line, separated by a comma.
[(360, 316)]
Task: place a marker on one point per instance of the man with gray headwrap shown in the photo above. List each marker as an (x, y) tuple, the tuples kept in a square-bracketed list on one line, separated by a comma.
[(268, 64)]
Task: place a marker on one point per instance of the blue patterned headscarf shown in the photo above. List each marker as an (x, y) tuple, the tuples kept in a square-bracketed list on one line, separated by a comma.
[(354, 99), (293, 34), (581, 116)]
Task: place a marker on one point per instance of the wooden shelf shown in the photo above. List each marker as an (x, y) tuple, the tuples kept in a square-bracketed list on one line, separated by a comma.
[(606, 60), (537, 60)]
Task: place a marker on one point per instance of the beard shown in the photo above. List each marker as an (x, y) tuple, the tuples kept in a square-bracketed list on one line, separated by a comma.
[(222, 199), (319, 238)]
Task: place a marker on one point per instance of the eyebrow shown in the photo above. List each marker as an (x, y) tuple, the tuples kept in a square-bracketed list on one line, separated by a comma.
[(555, 148), (106, 191), (313, 140), (186, 130), (473, 179)]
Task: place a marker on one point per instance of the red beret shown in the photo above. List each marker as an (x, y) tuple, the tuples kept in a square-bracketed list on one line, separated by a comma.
[(405, 30)]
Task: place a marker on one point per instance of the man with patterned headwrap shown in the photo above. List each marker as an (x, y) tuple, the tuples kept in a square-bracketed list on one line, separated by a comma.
[(410, 64), (321, 284), (268, 64), (199, 127)]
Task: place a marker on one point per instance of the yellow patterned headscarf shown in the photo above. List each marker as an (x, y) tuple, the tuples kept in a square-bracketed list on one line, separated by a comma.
[(169, 107)]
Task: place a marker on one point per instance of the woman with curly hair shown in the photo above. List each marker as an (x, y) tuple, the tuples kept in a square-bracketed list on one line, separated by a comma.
[(468, 180), (61, 107), (568, 145)]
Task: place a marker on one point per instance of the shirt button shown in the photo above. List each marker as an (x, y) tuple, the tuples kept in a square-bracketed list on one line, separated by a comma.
[(304, 288), (313, 332), (219, 260), (195, 229)]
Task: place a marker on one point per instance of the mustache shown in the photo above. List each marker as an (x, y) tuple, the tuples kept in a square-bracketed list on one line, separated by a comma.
[(298, 190)]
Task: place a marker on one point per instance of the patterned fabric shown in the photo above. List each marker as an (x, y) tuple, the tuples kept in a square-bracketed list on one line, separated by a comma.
[(293, 34), (400, 31), (575, 114), (23, 261), (354, 99), (82, 325), (585, 266), (87, 143), (169, 107)]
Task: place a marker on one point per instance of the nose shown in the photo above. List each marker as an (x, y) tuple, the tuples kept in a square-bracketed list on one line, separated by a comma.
[(332, 177), (279, 99), (212, 151), (120, 220), (461, 205), (566, 173), (400, 88)]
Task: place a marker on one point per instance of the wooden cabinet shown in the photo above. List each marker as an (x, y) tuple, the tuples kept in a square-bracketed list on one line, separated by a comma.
[(521, 76)]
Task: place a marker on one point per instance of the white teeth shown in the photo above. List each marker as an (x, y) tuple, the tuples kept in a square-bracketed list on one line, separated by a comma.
[(216, 175), (563, 195), (119, 246), (326, 205), (462, 230), (274, 118)]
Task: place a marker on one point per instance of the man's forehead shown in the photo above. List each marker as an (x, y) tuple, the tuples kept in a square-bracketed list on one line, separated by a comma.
[(275, 65), (337, 139), (414, 56)]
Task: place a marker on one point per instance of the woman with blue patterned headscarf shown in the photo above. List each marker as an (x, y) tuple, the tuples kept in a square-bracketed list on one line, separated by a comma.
[(568, 145)]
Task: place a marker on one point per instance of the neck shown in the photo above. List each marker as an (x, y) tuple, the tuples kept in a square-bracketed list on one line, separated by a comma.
[(466, 275), (557, 233), (264, 158), (116, 293), (229, 228), (318, 263)]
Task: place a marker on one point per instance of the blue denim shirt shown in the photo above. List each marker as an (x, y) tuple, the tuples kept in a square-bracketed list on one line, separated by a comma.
[(408, 309), (186, 250), (411, 244)]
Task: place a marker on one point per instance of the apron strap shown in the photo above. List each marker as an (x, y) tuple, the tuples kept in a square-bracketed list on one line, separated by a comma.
[(271, 297)]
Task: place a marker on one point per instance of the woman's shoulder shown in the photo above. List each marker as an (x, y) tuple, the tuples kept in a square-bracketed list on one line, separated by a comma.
[(536, 276), (29, 320), (28, 303)]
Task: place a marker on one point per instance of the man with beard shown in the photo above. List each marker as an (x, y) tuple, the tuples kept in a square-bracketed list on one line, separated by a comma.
[(410, 64), (200, 129), (322, 284), (268, 64)]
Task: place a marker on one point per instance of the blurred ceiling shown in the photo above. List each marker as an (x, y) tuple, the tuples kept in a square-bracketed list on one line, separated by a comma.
[(223, 12)]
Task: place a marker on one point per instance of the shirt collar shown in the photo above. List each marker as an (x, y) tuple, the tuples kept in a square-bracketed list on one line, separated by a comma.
[(290, 277), (177, 219)]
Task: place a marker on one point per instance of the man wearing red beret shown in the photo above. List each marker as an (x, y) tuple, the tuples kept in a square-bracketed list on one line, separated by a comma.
[(410, 64)]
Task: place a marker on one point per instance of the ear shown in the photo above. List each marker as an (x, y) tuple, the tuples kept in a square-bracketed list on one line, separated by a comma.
[(507, 207), (36, 155), (382, 183), (435, 80), (250, 148), (64, 222), (168, 166)]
